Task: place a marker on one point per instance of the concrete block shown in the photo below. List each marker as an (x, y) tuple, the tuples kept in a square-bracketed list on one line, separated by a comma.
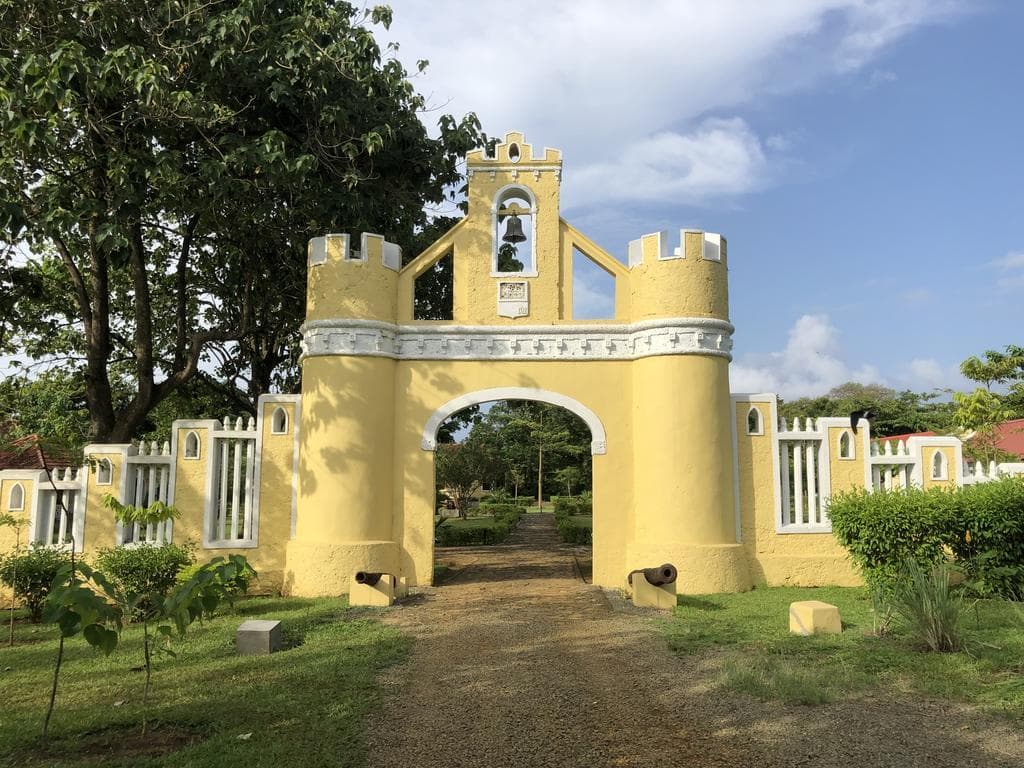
[(380, 595), (258, 636), (813, 617), (647, 595)]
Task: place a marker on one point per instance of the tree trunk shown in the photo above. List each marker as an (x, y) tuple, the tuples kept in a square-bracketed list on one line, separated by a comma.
[(540, 478)]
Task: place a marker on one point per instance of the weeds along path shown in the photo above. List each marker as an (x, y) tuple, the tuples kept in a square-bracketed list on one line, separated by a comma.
[(518, 663)]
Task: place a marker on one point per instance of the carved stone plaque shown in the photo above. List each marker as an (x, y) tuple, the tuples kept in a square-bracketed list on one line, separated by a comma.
[(513, 298)]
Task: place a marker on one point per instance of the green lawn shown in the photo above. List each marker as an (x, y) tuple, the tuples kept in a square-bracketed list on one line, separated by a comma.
[(302, 706), (749, 632)]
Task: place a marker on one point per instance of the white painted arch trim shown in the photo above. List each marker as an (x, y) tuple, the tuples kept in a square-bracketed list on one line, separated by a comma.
[(598, 439)]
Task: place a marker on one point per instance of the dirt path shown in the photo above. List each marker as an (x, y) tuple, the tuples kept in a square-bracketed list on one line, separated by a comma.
[(519, 663)]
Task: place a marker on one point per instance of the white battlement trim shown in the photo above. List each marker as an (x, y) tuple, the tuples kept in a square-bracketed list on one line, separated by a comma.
[(370, 338)]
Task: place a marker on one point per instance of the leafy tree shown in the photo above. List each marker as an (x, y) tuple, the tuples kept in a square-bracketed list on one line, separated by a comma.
[(17, 522), (894, 413), (458, 469), (163, 163), (996, 368), (981, 412), (570, 477)]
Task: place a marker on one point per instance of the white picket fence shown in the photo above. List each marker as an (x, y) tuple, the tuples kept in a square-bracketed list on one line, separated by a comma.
[(61, 502), (803, 463), (234, 455), (148, 477), (892, 468)]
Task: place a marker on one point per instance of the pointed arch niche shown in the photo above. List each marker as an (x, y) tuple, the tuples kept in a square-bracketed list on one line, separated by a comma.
[(755, 422), (846, 447), (940, 467), (16, 501)]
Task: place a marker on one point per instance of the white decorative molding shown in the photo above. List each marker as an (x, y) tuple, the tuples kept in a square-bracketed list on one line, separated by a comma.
[(651, 338), (598, 438)]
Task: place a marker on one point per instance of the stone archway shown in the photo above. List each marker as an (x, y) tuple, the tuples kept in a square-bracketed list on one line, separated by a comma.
[(598, 442)]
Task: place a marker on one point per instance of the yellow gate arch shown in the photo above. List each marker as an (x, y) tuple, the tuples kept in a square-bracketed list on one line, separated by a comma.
[(652, 382)]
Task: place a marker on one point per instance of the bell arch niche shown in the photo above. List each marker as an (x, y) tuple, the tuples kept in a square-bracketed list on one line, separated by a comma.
[(514, 216)]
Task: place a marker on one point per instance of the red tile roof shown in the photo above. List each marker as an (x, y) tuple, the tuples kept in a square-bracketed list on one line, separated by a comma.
[(30, 452), (1009, 437)]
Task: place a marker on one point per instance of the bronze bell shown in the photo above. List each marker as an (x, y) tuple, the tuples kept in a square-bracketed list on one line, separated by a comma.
[(514, 230)]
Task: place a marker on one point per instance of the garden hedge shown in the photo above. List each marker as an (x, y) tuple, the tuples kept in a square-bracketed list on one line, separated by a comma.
[(576, 529), (979, 526)]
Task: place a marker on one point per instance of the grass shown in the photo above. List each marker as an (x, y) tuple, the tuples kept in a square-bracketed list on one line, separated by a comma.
[(303, 706), (749, 635)]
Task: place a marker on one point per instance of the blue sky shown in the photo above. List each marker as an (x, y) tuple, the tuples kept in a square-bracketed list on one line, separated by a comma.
[(863, 159)]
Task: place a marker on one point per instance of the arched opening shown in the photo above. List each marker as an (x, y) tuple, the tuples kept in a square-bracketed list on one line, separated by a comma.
[(191, 446), (846, 445), (16, 501), (279, 422), (515, 245), (104, 472), (939, 465), (514, 471), (754, 423)]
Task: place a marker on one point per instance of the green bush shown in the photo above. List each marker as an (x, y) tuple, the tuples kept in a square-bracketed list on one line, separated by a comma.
[(145, 569), (981, 525), (572, 505), (885, 529), (576, 529), (30, 575), (468, 536), (989, 540), (236, 587)]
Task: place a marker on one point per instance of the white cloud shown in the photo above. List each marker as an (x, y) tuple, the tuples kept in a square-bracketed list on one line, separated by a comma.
[(719, 157), (603, 81), (1011, 268), (810, 365)]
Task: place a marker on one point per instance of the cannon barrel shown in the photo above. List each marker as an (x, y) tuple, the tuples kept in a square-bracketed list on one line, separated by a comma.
[(368, 578), (657, 577)]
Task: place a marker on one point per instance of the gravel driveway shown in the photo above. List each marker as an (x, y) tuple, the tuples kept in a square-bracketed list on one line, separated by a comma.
[(517, 662)]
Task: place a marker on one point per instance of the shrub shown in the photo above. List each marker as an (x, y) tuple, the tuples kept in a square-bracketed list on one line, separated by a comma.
[(981, 525), (572, 505), (989, 540), (510, 512), (145, 569), (30, 574), (576, 529), (930, 606), (468, 536), (883, 530), (236, 586)]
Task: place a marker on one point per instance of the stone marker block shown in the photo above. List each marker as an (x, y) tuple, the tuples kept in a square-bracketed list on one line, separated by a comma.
[(813, 617), (380, 595), (258, 636), (647, 595)]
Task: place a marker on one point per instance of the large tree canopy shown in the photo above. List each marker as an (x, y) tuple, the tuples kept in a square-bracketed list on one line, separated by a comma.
[(162, 165)]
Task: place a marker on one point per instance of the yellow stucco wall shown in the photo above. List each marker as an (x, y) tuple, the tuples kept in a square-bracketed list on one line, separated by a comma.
[(846, 474), (100, 527), (803, 559), (928, 456), (9, 535)]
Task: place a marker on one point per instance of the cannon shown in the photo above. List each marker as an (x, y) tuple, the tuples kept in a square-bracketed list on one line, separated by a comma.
[(368, 578), (657, 577)]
